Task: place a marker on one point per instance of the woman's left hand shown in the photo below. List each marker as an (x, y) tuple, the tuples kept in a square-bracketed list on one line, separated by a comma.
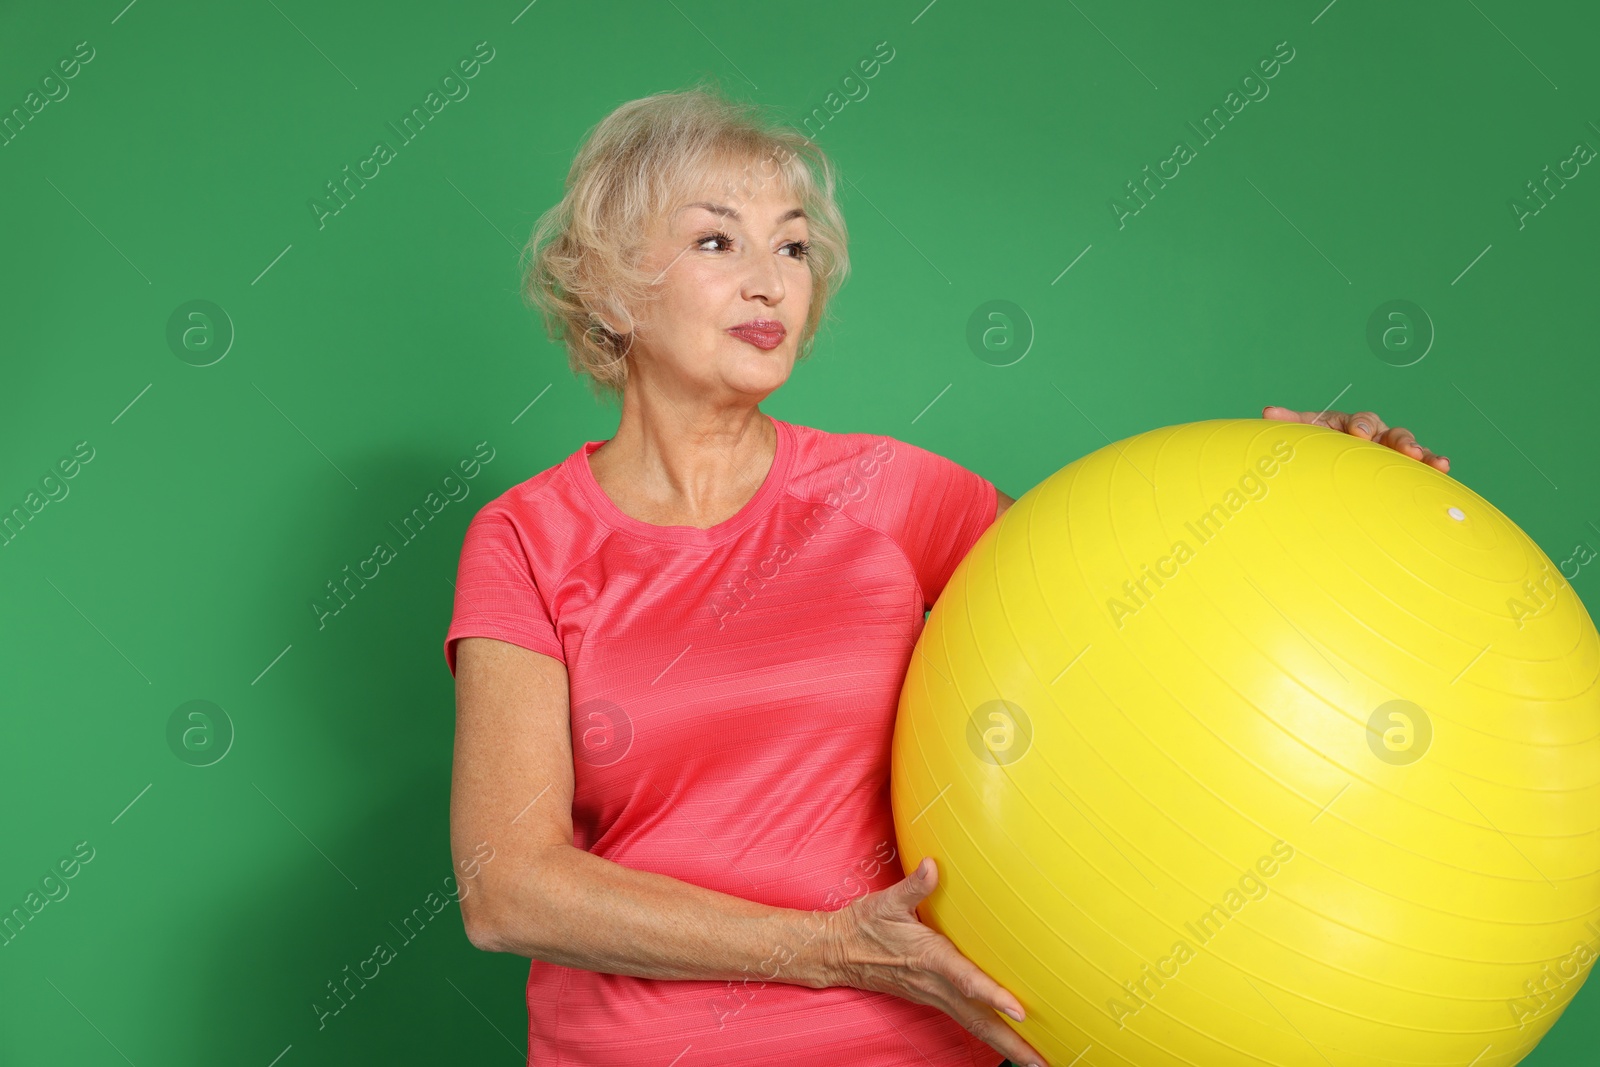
[(1363, 424)]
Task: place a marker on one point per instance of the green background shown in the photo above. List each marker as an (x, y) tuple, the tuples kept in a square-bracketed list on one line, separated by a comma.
[(372, 353)]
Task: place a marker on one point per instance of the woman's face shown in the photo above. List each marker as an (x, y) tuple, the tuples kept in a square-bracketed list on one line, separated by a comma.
[(733, 255)]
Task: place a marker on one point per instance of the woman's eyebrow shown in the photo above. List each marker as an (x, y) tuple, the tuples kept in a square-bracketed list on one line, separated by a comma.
[(723, 209)]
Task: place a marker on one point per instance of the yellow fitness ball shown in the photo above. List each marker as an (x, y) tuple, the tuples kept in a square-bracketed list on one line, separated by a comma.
[(1247, 742)]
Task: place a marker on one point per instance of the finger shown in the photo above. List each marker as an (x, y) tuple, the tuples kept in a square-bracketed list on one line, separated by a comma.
[(988, 1027), (922, 880), (1365, 424), (1334, 420), (984, 1024), (947, 961), (1401, 440), (1428, 456), (1282, 414)]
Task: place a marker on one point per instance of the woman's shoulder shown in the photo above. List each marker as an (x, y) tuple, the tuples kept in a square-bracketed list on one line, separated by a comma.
[(826, 451), (822, 446), (835, 465), (531, 494), (850, 443), (547, 509)]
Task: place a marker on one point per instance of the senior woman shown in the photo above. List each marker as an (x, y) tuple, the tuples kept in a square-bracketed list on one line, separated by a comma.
[(678, 652)]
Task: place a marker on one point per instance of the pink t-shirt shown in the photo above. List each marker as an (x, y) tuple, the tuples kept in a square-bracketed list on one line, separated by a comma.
[(733, 695)]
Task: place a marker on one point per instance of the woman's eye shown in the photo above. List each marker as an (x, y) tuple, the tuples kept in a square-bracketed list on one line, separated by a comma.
[(800, 249)]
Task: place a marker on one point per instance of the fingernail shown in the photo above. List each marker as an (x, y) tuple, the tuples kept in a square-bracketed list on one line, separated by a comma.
[(1017, 1015)]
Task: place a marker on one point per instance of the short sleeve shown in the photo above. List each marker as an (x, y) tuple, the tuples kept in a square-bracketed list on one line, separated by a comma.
[(497, 593), (949, 508)]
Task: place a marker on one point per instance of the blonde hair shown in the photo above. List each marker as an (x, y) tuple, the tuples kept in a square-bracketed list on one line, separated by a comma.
[(581, 266)]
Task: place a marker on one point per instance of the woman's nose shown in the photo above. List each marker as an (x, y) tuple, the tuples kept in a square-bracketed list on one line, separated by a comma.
[(765, 278)]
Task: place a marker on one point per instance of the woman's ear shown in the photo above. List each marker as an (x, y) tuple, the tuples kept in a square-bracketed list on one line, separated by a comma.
[(616, 321)]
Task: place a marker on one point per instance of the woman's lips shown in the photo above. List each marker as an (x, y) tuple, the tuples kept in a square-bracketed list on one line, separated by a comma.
[(765, 337)]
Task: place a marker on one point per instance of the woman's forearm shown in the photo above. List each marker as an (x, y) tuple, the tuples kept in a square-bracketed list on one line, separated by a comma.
[(580, 910)]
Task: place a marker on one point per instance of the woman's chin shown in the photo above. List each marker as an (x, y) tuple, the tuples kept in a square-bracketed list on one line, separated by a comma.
[(762, 371)]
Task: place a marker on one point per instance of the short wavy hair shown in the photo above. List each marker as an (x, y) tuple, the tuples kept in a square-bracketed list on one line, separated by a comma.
[(582, 268)]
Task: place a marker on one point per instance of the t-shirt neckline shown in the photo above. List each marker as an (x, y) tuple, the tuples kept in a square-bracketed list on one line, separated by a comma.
[(616, 518)]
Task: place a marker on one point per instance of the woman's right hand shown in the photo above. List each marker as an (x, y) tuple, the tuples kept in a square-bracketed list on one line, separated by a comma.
[(879, 944)]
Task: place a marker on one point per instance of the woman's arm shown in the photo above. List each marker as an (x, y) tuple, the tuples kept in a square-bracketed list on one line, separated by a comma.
[(540, 897)]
